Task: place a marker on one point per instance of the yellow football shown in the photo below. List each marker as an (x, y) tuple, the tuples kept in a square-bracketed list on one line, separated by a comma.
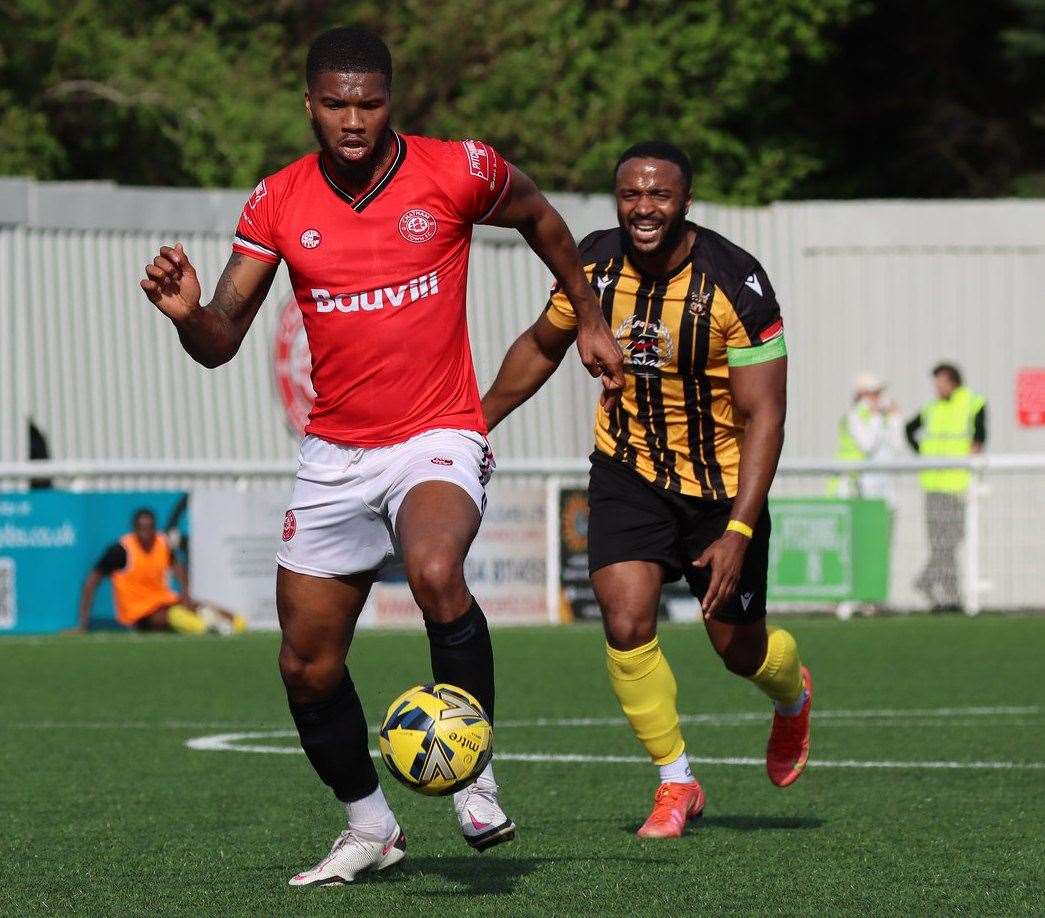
[(435, 738)]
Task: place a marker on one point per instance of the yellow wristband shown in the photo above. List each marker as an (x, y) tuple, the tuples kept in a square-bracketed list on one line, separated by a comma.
[(736, 526)]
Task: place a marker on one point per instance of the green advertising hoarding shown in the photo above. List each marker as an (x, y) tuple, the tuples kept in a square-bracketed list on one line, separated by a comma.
[(822, 551), (825, 550)]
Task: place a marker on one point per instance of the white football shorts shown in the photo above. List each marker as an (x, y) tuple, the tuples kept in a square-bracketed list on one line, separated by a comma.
[(342, 514)]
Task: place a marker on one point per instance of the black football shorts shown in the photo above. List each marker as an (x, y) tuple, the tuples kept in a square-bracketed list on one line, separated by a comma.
[(633, 520)]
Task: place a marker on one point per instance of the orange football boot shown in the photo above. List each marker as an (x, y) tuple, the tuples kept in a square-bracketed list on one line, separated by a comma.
[(788, 748), (674, 805)]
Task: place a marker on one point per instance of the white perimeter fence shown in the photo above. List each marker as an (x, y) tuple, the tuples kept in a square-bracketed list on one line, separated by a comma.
[(1001, 560)]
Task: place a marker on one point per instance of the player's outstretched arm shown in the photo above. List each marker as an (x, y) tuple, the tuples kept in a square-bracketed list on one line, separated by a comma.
[(527, 366), (182, 576), (760, 397), (90, 586), (210, 334), (544, 230)]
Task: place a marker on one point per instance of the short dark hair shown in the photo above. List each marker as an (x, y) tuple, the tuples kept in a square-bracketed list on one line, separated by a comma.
[(348, 49), (139, 513), (948, 369), (658, 149)]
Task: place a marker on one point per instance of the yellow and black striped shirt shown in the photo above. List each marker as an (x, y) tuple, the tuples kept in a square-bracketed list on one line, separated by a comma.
[(675, 424)]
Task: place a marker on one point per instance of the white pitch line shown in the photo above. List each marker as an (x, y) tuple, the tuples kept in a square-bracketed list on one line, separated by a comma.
[(917, 716), (747, 716), (745, 760), (127, 725), (231, 742)]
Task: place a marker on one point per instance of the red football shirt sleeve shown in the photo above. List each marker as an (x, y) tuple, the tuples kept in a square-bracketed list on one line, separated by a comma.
[(254, 232), (479, 180)]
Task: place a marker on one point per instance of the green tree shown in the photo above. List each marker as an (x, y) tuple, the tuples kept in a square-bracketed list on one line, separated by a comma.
[(563, 86), (793, 98), (925, 98), (1023, 45), (209, 94), (147, 93)]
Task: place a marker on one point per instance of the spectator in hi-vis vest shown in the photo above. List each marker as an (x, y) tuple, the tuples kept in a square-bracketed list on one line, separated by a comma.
[(139, 565), (871, 431), (952, 426)]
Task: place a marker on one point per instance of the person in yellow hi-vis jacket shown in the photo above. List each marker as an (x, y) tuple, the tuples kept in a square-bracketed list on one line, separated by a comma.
[(953, 425)]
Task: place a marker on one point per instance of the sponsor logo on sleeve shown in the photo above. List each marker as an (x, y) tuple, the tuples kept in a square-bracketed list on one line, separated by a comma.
[(478, 160), (752, 283), (257, 194), (417, 225)]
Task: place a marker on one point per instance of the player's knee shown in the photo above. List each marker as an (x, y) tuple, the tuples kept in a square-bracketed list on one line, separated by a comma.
[(308, 678), (627, 631), (437, 583)]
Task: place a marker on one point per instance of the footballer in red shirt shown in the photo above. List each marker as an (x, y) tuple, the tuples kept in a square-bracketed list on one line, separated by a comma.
[(375, 229)]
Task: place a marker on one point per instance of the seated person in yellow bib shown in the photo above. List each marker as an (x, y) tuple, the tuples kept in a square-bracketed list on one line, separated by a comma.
[(682, 463), (139, 565)]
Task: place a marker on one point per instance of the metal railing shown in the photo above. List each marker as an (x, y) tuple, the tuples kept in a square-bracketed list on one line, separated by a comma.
[(1004, 543)]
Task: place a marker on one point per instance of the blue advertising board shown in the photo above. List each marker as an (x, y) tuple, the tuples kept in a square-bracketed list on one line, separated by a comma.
[(49, 541)]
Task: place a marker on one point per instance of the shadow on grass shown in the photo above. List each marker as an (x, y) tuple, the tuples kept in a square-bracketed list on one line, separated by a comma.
[(743, 824), (761, 823), (490, 876)]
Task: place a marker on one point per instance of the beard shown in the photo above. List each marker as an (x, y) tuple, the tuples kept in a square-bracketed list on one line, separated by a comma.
[(358, 173), (673, 233)]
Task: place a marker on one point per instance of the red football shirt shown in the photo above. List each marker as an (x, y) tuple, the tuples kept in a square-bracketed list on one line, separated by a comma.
[(381, 282)]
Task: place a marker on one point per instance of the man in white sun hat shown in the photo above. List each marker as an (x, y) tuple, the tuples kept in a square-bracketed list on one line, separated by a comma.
[(870, 431)]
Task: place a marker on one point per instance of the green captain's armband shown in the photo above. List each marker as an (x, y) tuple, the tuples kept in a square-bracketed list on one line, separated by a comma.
[(761, 353)]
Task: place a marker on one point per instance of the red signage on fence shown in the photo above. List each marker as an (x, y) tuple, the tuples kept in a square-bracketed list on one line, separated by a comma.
[(293, 366), (1030, 397)]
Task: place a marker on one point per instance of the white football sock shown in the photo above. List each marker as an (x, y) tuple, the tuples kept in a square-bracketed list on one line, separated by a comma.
[(371, 817), (677, 772), (792, 710), (486, 773)]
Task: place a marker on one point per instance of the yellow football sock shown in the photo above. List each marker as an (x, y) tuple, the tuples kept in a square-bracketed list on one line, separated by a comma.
[(646, 689), (780, 675), (183, 620)]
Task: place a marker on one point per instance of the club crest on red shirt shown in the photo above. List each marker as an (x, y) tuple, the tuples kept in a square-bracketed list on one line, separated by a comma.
[(417, 225)]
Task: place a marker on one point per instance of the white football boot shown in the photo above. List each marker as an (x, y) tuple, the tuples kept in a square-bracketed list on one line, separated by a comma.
[(351, 856), (482, 820), (214, 621)]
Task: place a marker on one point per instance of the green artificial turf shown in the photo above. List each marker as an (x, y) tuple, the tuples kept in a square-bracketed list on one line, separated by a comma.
[(104, 810)]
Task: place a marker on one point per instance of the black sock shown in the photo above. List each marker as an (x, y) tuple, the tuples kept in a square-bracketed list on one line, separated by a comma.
[(334, 736), (463, 655)]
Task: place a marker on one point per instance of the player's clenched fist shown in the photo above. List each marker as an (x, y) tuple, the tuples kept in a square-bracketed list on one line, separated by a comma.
[(171, 283)]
